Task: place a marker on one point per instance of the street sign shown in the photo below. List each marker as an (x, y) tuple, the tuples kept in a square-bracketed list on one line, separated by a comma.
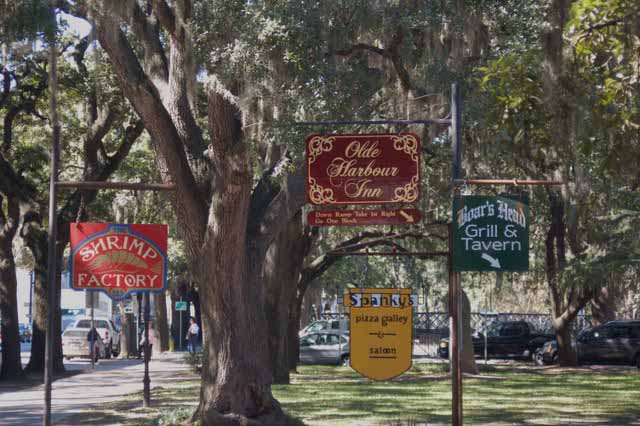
[(381, 323), (181, 306), (364, 217), (490, 233), (363, 169), (118, 259)]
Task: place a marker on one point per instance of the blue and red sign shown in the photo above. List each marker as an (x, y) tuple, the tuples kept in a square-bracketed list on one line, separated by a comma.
[(118, 259)]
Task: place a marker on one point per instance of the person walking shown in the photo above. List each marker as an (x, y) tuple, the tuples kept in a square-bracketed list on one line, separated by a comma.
[(192, 335)]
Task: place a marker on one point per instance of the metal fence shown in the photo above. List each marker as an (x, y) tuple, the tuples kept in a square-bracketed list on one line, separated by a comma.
[(430, 327)]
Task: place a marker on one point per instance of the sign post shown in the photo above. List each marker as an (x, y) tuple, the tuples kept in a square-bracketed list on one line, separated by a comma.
[(181, 307)]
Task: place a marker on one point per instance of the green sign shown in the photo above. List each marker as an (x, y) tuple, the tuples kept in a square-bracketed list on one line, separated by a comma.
[(490, 233), (181, 306)]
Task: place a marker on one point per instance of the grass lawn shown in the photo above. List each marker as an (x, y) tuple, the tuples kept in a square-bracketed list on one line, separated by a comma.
[(503, 395)]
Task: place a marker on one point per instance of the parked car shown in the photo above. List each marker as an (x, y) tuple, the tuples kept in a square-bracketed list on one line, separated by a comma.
[(108, 332), (76, 344), (504, 339), (326, 325), (25, 333), (616, 342), (324, 348)]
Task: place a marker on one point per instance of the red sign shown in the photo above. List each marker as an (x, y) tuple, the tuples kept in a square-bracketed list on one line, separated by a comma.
[(118, 258), (363, 217), (363, 169)]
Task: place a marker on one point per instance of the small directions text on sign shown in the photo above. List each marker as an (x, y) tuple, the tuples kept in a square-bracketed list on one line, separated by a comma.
[(490, 233), (364, 217), (363, 168), (381, 324)]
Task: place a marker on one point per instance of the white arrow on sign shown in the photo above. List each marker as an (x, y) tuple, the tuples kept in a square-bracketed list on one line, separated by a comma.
[(407, 216), (495, 263)]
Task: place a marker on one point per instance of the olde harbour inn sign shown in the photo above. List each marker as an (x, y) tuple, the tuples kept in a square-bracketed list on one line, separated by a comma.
[(363, 169), (490, 233), (118, 259)]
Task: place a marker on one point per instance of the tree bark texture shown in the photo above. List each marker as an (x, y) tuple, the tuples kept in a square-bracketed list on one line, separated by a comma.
[(35, 237), (603, 306), (161, 323), (127, 335), (281, 269), (11, 363)]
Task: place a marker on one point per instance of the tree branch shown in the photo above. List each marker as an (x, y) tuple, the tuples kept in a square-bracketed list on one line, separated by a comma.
[(147, 102), (165, 16), (146, 30)]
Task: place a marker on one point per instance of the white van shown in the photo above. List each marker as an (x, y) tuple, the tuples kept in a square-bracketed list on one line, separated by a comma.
[(333, 325), (106, 329)]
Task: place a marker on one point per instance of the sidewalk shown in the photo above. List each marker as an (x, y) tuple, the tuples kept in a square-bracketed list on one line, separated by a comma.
[(111, 380)]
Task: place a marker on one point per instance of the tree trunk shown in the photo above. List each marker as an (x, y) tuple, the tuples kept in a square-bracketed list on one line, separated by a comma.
[(281, 270), (603, 307), (36, 239), (468, 360), (566, 354), (236, 376), (127, 335), (293, 328), (11, 362), (161, 323)]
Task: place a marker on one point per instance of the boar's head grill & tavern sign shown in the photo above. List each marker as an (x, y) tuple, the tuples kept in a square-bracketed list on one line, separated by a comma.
[(363, 169), (118, 258), (490, 233)]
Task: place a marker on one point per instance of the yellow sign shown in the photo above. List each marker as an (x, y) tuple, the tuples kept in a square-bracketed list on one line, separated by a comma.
[(381, 321)]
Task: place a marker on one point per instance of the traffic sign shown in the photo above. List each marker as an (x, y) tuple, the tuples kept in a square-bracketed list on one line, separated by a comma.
[(364, 217), (490, 233), (381, 322), (181, 306)]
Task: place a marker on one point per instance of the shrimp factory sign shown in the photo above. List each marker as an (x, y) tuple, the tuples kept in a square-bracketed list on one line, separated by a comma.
[(118, 259), (363, 168)]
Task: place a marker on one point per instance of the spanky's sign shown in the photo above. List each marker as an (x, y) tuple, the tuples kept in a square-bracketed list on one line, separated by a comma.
[(118, 259), (363, 169)]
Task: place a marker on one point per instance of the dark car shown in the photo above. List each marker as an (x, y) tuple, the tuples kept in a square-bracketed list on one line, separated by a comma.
[(504, 339), (547, 354), (616, 342)]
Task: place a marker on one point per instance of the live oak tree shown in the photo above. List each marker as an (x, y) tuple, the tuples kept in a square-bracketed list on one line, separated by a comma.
[(226, 220), (565, 112), (106, 134)]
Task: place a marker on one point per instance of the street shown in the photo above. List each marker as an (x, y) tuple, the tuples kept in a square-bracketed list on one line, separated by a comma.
[(111, 380)]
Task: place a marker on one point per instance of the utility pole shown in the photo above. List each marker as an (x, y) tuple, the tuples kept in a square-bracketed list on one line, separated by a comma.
[(454, 277), (53, 228), (146, 381)]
